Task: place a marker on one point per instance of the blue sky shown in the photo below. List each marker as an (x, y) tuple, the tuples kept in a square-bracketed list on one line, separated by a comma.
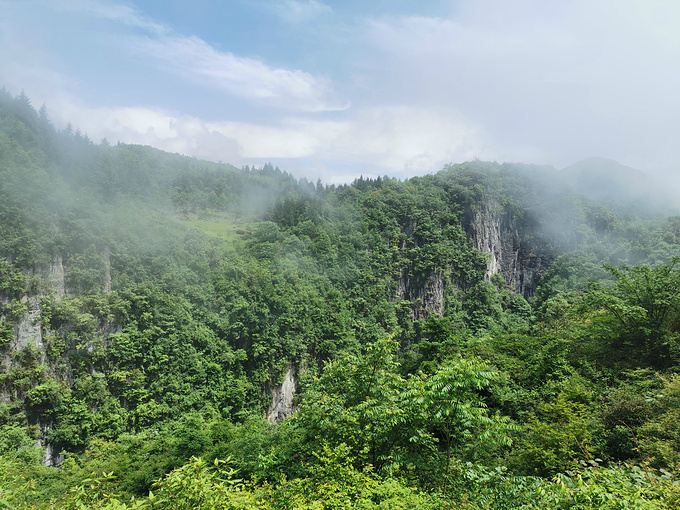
[(338, 89)]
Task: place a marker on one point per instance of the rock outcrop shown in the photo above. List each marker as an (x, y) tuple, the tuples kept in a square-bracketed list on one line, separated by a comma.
[(517, 249), (282, 398), (51, 458), (28, 330), (427, 294), (56, 277)]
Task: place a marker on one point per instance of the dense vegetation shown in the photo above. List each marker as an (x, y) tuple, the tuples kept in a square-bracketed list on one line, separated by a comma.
[(150, 302)]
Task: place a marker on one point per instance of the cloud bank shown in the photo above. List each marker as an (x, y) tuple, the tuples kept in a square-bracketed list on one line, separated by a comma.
[(332, 88)]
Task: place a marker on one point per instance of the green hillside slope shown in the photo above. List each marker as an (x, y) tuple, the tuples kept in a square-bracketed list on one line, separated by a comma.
[(176, 333)]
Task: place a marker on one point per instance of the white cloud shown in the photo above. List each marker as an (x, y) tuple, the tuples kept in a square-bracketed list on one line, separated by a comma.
[(409, 141), (262, 141), (391, 138), (544, 82), (191, 58), (111, 11), (561, 81), (194, 59), (182, 134), (298, 11)]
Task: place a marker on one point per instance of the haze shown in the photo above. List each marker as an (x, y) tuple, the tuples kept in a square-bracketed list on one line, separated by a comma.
[(337, 89)]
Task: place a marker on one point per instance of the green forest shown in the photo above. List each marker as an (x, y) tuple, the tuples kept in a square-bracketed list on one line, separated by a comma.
[(176, 333)]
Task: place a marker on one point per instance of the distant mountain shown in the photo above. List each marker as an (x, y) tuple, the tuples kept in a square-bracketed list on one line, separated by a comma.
[(621, 187)]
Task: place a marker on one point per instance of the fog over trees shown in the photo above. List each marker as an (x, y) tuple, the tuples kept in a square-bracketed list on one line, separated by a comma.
[(177, 333)]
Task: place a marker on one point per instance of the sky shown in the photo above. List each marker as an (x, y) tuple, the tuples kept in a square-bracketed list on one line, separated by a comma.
[(337, 89)]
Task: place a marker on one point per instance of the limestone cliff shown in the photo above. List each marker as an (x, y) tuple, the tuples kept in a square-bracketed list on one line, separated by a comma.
[(56, 277), (30, 333), (29, 328), (515, 243), (282, 398), (427, 293)]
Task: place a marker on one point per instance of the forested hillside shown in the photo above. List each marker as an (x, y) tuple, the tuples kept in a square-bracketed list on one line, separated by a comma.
[(176, 333)]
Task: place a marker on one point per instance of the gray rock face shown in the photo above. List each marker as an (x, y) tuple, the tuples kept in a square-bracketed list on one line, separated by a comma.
[(29, 331), (56, 276), (282, 398), (106, 284), (29, 327), (516, 249), (426, 294), (51, 458), (484, 226)]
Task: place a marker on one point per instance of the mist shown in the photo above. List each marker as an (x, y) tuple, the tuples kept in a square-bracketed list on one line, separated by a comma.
[(396, 90)]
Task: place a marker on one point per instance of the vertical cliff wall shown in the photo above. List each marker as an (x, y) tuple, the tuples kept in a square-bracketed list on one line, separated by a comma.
[(30, 335), (514, 241), (427, 293), (282, 398)]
